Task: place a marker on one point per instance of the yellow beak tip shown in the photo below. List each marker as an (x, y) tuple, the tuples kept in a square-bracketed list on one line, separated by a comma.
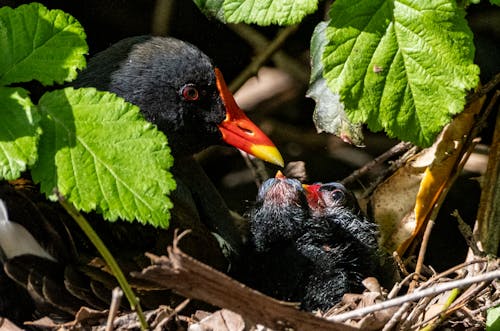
[(268, 153)]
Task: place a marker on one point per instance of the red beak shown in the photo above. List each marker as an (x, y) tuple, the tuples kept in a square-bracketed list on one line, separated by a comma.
[(312, 194), (239, 131)]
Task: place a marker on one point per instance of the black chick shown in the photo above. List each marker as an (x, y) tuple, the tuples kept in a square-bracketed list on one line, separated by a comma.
[(277, 218), (340, 242)]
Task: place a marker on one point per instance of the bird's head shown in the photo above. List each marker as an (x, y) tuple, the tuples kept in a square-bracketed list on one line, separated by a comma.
[(178, 89), (279, 211), (326, 199)]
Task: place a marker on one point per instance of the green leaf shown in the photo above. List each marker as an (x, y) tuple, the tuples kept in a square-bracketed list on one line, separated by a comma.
[(402, 66), (329, 114), (212, 8), (266, 12), (19, 132), (41, 44), (493, 319), (495, 2), (100, 153)]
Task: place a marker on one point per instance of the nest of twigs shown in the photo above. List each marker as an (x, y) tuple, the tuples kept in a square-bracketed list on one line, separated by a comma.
[(455, 299)]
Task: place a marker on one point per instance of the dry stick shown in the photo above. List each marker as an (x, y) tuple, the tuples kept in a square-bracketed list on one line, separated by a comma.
[(261, 58), (396, 317), (392, 168), (487, 223), (393, 151), (485, 89), (416, 295), (466, 232), (116, 298), (281, 59), (431, 281), (443, 314)]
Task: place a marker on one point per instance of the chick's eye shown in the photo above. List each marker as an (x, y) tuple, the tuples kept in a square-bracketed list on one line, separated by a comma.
[(190, 93), (338, 195)]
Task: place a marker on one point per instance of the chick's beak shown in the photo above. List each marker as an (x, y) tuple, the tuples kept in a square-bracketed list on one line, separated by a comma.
[(239, 131), (312, 194)]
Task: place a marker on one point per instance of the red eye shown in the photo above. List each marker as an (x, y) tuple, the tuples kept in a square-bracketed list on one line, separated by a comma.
[(190, 93)]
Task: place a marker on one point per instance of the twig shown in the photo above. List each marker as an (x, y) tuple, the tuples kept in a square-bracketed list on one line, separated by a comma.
[(261, 58), (162, 15), (416, 295), (393, 151), (396, 317), (392, 168), (443, 314), (466, 232), (106, 255), (281, 59), (487, 225), (116, 298), (485, 89)]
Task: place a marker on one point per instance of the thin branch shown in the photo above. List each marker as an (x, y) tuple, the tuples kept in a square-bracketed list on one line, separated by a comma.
[(418, 294), (116, 298), (393, 151), (261, 58), (281, 59)]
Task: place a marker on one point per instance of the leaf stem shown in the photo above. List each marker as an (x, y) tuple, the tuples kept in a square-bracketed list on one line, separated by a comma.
[(107, 256)]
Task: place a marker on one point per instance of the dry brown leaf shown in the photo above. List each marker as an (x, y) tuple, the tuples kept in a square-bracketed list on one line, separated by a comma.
[(392, 205), (223, 320), (402, 203), (448, 152)]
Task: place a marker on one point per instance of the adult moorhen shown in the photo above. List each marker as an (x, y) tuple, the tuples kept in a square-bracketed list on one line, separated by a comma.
[(178, 89)]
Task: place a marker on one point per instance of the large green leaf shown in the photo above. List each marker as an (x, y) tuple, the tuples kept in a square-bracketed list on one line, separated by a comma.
[(19, 132), (41, 44), (100, 153), (403, 66), (266, 12), (212, 8), (329, 114)]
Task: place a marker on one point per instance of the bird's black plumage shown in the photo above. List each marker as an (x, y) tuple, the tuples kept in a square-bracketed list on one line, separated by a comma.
[(178, 89), (341, 244), (312, 251), (151, 73), (276, 221)]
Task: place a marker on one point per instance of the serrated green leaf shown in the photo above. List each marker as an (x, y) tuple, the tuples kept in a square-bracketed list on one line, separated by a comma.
[(212, 8), (19, 132), (402, 66), (102, 154), (329, 114), (266, 12), (41, 44)]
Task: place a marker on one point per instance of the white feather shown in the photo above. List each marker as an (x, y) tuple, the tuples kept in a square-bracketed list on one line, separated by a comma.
[(15, 240)]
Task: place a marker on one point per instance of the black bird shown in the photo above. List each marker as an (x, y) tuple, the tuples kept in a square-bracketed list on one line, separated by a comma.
[(311, 243), (341, 244), (275, 266), (177, 88)]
